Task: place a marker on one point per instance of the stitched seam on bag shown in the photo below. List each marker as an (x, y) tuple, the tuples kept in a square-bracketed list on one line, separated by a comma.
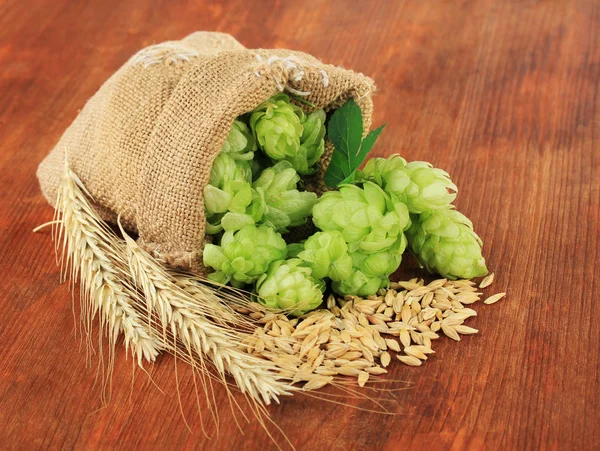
[(167, 53), (293, 70)]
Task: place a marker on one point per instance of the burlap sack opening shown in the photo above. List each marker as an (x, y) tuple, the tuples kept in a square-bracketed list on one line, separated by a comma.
[(144, 144)]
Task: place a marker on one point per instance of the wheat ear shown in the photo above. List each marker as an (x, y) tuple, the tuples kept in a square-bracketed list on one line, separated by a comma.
[(186, 319), (216, 301), (87, 253)]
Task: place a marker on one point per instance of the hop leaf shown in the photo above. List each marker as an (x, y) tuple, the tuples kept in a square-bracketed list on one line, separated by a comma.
[(326, 253), (418, 184), (277, 126), (369, 220), (345, 132), (245, 255), (290, 286), (240, 143), (229, 200), (284, 205), (444, 242)]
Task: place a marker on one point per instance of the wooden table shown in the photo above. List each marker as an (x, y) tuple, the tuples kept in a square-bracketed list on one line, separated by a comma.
[(502, 94)]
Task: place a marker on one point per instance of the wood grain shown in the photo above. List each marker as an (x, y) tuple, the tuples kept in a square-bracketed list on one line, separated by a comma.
[(502, 94)]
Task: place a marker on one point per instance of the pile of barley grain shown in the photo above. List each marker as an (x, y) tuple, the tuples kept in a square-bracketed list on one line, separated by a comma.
[(354, 336)]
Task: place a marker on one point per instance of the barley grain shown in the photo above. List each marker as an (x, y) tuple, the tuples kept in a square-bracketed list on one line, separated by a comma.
[(436, 284), (376, 370), (389, 297), (451, 321), (416, 337), (494, 298), (487, 281), (385, 358), (317, 382), (410, 285), (363, 377), (348, 371), (404, 337), (415, 352), (465, 330), (419, 292), (392, 344), (325, 345), (450, 332), (406, 313), (409, 360), (325, 371), (398, 302)]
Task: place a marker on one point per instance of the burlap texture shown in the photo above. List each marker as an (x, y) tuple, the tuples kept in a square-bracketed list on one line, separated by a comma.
[(144, 144)]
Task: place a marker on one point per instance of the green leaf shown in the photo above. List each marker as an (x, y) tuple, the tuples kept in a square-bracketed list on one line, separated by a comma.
[(349, 179), (345, 130), (367, 144), (335, 174)]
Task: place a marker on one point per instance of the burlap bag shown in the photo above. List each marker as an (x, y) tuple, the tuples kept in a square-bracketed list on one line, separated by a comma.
[(144, 144)]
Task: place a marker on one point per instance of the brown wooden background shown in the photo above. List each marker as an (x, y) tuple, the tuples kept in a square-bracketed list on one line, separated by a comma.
[(502, 94)]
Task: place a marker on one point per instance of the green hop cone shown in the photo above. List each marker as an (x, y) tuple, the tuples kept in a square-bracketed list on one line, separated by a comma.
[(229, 200), (312, 143), (326, 253), (277, 126), (289, 285), (418, 184), (370, 272), (245, 255), (285, 206), (240, 143), (388, 173), (226, 169), (368, 218), (444, 242)]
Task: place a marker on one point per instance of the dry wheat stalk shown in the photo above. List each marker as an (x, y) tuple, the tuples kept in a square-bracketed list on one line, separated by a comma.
[(187, 322), (204, 292), (88, 254), (102, 261)]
